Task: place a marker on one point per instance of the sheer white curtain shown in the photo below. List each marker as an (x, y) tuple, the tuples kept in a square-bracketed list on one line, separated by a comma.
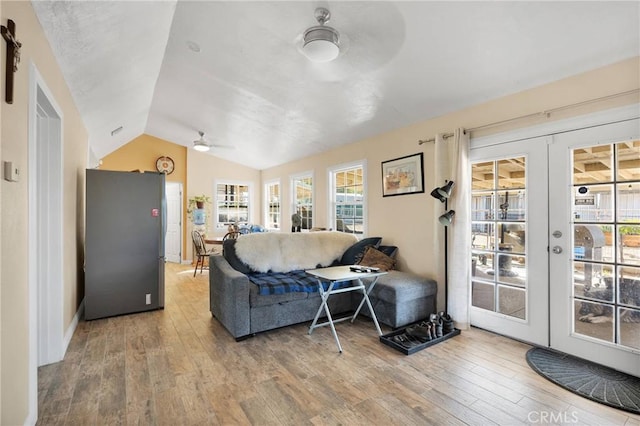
[(452, 163)]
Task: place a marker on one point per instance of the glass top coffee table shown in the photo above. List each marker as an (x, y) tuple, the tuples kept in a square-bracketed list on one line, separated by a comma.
[(335, 274)]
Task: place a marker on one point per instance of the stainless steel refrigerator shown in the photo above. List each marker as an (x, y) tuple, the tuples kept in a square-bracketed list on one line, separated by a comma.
[(124, 243)]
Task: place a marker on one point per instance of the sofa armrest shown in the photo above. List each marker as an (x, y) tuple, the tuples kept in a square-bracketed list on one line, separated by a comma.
[(229, 296)]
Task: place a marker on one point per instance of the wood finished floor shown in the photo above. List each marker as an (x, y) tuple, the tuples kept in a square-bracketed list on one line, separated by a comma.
[(178, 366)]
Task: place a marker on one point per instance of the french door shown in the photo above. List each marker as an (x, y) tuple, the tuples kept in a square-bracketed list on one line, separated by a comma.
[(594, 222), (556, 242), (509, 262)]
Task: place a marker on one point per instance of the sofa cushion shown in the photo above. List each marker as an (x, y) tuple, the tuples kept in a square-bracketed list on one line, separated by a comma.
[(229, 253), (353, 254), (376, 258), (399, 287)]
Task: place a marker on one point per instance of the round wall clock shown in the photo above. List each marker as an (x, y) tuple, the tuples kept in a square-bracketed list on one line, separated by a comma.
[(165, 165)]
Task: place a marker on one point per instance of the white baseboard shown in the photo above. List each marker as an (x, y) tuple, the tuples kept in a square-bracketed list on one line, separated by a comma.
[(72, 327)]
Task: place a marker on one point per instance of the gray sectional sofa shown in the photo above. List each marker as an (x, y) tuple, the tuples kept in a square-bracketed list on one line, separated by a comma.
[(288, 297)]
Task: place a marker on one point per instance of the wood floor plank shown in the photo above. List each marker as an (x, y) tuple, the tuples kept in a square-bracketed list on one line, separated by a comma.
[(169, 407), (112, 404), (259, 413), (179, 366), (227, 408), (462, 412), (340, 415), (141, 412), (282, 403)]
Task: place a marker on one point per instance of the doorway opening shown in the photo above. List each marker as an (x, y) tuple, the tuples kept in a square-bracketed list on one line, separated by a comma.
[(46, 329)]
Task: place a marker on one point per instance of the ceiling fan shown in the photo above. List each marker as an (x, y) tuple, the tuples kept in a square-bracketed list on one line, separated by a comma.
[(202, 145)]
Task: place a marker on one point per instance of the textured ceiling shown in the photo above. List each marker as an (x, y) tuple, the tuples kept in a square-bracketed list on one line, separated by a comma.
[(129, 64)]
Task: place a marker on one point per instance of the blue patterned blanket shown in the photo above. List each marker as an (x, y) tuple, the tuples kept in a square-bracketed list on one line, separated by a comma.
[(287, 282)]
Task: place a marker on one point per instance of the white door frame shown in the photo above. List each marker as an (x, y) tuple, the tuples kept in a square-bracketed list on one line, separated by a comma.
[(45, 251), (177, 185)]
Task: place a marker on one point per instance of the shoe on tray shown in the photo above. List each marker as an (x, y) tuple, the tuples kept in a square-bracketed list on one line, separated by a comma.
[(447, 322), (423, 331), (404, 340), (437, 324)]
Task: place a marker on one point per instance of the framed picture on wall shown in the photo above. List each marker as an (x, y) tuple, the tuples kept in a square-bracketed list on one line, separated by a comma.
[(403, 175)]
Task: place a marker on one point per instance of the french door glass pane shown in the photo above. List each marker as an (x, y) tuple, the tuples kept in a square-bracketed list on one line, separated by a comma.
[(629, 287), (606, 246), (512, 205), (483, 295), (629, 335), (482, 235), (499, 255), (593, 203), (511, 173), (482, 265), (594, 320), (482, 177), (482, 206), (628, 161), (593, 242), (511, 301), (592, 164)]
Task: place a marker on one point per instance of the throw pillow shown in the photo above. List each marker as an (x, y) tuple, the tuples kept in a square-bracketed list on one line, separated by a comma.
[(376, 258), (354, 253), (229, 253), (390, 251)]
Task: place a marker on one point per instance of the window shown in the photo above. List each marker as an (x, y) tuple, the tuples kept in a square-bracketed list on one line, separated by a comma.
[(272, 211), (302, 187), (232, 204), (347, 192)]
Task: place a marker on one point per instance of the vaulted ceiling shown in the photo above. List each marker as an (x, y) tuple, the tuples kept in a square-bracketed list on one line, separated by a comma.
[(234, 70)]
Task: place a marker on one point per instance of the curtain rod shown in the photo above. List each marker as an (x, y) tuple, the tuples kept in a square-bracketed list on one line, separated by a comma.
[(546, 113)]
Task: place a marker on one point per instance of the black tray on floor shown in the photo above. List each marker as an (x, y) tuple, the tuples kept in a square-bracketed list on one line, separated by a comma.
[(387, 339)]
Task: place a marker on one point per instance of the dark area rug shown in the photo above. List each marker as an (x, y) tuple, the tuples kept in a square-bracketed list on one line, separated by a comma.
[(587, 379)]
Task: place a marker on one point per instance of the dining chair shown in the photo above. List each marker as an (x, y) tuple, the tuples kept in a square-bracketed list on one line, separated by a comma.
[(200, 250), (231, 235)]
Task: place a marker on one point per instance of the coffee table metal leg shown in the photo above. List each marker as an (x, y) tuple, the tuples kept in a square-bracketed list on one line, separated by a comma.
[(365, 298), (325, 296), (323, 304)]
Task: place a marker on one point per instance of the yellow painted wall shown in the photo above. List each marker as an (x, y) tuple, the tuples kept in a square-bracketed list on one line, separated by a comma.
[(14, 208), (407, 221), (141, 154)]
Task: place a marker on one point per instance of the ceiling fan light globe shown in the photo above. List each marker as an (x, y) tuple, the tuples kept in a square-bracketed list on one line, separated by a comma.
[(202, 147), (321, 44)]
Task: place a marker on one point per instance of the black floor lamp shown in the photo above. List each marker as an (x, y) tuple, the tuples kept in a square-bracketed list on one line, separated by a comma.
[(443, 193)]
